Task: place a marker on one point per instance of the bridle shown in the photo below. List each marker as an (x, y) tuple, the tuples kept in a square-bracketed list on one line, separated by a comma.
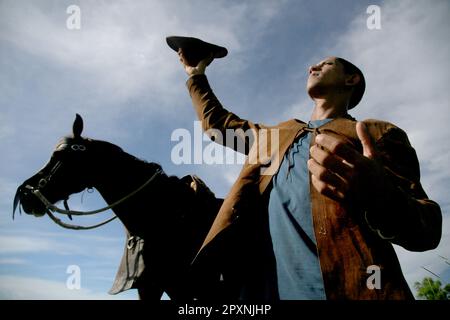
[(51, 208)]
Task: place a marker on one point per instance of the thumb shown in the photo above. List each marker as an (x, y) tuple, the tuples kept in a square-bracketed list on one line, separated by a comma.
[(369, 149)]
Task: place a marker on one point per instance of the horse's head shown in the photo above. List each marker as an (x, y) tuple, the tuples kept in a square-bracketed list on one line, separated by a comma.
[(68, 171)]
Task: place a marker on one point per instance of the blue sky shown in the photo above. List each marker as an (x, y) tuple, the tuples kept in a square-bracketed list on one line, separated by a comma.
[(119, 74)]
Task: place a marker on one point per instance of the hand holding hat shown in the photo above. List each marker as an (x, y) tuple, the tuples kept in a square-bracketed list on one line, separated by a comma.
[(201, 66)]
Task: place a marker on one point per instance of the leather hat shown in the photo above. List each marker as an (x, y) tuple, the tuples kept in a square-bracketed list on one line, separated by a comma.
[(195, 50)]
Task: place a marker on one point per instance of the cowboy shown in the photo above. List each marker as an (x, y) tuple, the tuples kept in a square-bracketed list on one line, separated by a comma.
[(343, 191)]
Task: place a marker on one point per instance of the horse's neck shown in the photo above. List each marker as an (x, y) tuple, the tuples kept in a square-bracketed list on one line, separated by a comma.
[(119, 178)]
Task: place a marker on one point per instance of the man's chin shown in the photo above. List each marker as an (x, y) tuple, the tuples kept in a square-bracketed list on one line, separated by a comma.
[(313, 89)]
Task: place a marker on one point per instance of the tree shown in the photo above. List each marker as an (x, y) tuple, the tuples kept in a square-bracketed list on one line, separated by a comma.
[(432, 290)]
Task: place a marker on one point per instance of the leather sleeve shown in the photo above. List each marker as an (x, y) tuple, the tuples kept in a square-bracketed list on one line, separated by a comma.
[(404, 214), (222, 126)]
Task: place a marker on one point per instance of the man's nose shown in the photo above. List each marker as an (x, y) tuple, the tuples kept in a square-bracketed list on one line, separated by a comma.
[(313, 68)]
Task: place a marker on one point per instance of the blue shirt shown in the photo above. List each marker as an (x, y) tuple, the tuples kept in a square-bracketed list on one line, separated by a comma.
[(291, 226)]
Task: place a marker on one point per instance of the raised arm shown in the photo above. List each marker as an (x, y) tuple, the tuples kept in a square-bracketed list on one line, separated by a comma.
[(235, 133)]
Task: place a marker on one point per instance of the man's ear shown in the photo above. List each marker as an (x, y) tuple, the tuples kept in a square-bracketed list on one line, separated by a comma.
[(352, 79)]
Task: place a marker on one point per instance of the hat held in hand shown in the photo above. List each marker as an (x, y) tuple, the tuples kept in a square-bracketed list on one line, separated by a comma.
[(195, 50)]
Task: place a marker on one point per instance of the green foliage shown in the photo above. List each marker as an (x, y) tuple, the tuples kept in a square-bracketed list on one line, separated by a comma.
[(432, 290)]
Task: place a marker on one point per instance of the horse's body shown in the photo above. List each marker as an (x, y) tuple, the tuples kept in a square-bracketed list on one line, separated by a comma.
[(169, 214)]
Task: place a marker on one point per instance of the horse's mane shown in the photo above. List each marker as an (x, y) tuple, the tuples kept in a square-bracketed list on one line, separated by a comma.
[(110, 148)]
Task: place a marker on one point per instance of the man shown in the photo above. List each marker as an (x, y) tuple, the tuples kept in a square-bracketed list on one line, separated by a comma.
[(324, 220)]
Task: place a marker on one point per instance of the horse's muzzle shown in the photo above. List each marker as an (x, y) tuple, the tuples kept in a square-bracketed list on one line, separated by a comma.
[(28, 201)]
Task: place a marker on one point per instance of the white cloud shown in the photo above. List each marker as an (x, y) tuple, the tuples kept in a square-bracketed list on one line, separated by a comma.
[(120, 50), (116, 69), (7, 190), (61, 244), (15, 261), (22, 244), (29, 288)]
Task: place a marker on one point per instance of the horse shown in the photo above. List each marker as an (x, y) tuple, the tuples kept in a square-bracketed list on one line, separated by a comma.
[(166, 218)]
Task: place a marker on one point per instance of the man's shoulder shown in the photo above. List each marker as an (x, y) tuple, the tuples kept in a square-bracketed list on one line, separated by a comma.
[(383, 129), (375, 123), (380, 123), (379, 128)]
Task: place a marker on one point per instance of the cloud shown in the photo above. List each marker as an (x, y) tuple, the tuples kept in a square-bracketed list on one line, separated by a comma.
[(120, 53), (117, 71), (23, 244), (60, 244), (7, 190), (15, 261), (15, 244), (30, 288)]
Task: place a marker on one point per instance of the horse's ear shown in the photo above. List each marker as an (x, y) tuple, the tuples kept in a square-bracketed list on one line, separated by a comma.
[(77, 126)]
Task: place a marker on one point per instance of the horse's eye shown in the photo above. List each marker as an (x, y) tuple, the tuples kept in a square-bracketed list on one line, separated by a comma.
[(42, 183)]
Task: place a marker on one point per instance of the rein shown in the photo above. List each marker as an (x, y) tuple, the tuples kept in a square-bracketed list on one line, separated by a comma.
[(50, 208)]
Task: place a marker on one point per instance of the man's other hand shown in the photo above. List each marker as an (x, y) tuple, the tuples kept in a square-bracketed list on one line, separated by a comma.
[(341, 172)]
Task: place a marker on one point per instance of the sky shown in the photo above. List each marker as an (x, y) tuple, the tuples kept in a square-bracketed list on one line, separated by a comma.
[(119, 74)]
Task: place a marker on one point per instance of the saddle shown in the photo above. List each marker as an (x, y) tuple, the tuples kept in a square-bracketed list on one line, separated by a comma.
[(132, 264)]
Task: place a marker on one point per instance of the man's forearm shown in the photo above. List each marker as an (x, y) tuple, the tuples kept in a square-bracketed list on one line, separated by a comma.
[(396, 215), (212, 114)]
